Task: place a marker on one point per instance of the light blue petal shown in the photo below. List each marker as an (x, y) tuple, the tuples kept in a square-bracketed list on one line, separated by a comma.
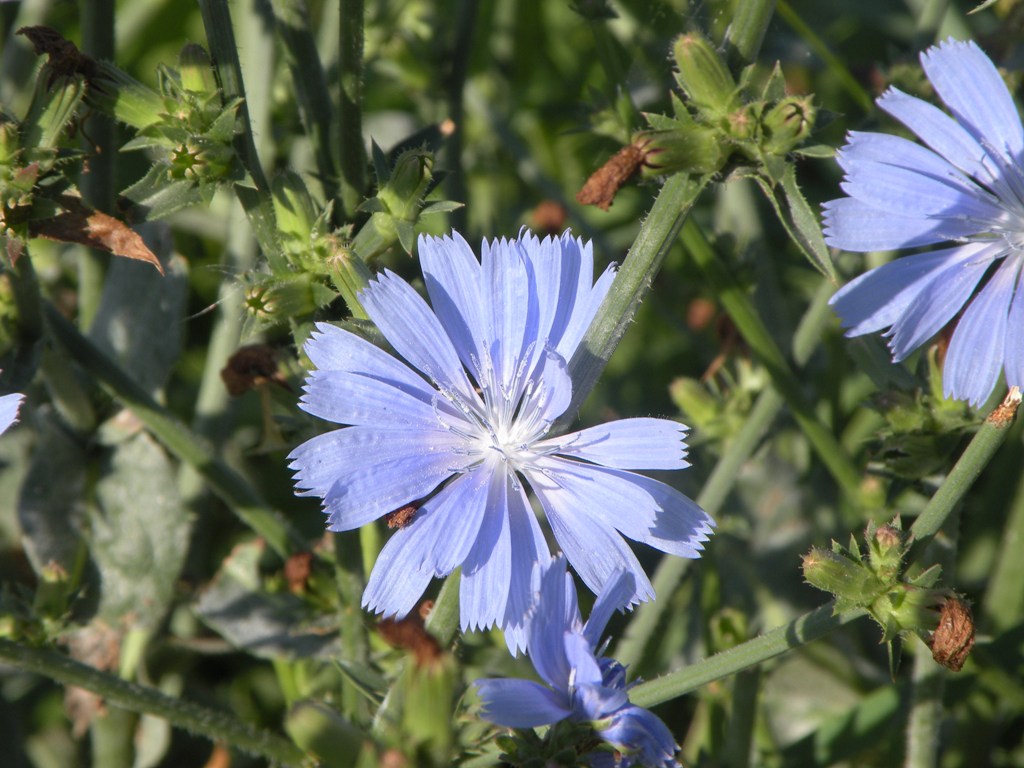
[(414, 331), (915, 194), (447, 525), (878, 298), (584, 311), (364, 495), (346, 397), (452, 275), (585, 671), (395, 585), (548, 627), (9, 405), (520, 703), (945, 295), (1014, 353), (546, 397), (486, 572), (597, 702), (901, 153), (635, 729), (641, 443), (614, 597), (592, 547), (506, 283), (555, 271), (856, 226), (335, 349), (326, 459), (975, 356), (529, 550), (640, 508), (970, 85), (939, 131)]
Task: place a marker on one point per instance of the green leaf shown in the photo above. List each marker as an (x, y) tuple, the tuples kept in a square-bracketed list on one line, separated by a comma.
[(158, 195), (441, 206), (50, 513), (817, 151), (367, 681), (139, 528), (141, 316), (406, 234), (799, 219), (267, 624)]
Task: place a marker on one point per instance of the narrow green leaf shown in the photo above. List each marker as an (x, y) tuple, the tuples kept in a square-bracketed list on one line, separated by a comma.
[(158, 195), (799, 219)]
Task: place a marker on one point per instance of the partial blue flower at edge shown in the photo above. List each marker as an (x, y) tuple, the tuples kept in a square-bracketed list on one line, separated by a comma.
[(581, 685), (9, 405), (463, 421), (964, 188)]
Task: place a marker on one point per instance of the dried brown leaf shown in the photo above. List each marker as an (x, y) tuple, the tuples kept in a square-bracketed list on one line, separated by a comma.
[(78, 223)]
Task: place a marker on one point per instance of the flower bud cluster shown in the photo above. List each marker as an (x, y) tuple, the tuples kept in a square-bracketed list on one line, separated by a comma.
[(721, 118), (875, 582)]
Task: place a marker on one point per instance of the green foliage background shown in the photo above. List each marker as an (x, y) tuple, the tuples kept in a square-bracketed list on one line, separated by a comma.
[(162, 583)]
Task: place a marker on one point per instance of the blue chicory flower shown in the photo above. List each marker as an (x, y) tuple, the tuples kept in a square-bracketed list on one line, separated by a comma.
[(581, 685), (463, 422), (966, 189)]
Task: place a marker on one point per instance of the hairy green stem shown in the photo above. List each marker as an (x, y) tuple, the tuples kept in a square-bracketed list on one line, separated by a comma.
[(352, 150), (443, 621), (929, 678), (98, 184), (231, 487), (811, 626), (311, 92), (215, 725), (633, 281), (750, 325), (746, 31), (972, 461), (642, 628), (258, 205), (350, 580)]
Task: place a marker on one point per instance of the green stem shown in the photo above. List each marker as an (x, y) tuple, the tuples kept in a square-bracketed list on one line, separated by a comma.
[(351, 147), (98, 184), (805, 629), (833, 62), (974, 459), (929, 677), (633, 281), (310, 84), (257, 202), (350, 580), (455, 91), (798, 632), (443, 621), (232, 488), (750, 325), (217, 726), (642, 628), (925, 712), (746, 31)]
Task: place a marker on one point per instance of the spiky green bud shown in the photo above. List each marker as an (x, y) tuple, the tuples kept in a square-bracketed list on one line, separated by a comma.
[(703, 75), (788, 124)]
